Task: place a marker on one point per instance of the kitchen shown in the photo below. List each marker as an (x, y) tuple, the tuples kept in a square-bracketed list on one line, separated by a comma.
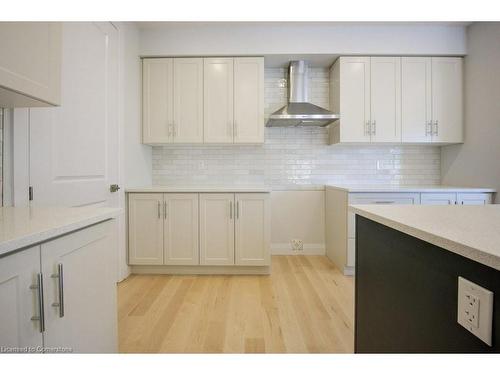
[(220, 186)]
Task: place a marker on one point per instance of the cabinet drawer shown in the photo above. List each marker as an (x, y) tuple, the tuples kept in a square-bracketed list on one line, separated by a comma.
[(474, 198), (377, 198), (384, 198), (438, 199)]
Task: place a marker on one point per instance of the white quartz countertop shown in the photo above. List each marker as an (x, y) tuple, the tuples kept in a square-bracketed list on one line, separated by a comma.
[(25, 226), (470, 231), (200, 189), (409, 189)]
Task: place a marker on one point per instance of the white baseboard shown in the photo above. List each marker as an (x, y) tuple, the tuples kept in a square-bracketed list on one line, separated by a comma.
[(309, 249), (349, 271)]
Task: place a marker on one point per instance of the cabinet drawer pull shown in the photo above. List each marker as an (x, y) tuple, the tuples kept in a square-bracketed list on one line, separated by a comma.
[(41, 312), (230, 210), (384, 202), (159, 214), (237, 209), (165, 207), (60, 282)]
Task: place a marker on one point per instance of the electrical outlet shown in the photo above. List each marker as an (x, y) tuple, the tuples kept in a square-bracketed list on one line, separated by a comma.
[(475, 309), (297, 245)]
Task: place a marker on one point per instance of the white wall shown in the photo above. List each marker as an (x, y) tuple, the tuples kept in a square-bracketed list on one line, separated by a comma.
[(301, 38), (477, 161), (137, 168)]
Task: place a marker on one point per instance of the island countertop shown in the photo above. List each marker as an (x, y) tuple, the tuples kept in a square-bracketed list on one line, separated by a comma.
[(470, 231), (22, 227)]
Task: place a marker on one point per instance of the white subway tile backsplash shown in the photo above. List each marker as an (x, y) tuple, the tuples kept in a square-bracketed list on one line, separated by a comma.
[(294, 158)]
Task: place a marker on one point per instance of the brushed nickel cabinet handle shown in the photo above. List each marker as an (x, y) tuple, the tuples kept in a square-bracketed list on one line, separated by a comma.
[(60, 281), (237, 209), (230, 210), (41, 312), (159, 214), (165, 207)]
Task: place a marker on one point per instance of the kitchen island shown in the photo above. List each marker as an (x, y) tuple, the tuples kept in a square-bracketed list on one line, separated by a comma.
[(408, 261)]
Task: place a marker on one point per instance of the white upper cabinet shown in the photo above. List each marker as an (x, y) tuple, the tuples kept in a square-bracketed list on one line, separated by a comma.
[(30, 64), (352, 75), (188, 100), (385, 99), (157, 100), (249, 100), (447, 99), (218, 100), (203, 100), (397, 99), (416, 94)]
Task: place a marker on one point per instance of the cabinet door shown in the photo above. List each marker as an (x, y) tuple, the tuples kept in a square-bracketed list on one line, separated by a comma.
[(80, 294), (437, 199), (180, 241), (385, 99), (416, 96), (145, 228), (354, 99), (218, 100), (30, 64), (188, 100), (157, 100), (217, 229), (477, 199), (249, 100), (447, 99), (252, 229), (19, 304)]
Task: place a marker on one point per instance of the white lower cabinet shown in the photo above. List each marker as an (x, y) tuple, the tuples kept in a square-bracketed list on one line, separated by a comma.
[(145, 229), (20, 304), (180, 229), (252, 234), (80, 292), (208, 229), (217, 212), (61, 294), (341, 223)]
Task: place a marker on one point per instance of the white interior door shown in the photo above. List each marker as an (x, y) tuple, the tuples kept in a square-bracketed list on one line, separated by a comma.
[(416, 94), (180, 238), (218, 100), (385, 99), (74, 152)]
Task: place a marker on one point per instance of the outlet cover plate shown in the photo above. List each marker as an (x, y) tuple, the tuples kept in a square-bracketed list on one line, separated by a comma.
[(475, 309)]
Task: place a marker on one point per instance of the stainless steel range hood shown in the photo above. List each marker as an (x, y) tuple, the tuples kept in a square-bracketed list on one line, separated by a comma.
[(298, 111)]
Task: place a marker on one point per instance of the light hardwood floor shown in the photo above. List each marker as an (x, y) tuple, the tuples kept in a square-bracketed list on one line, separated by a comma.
[(306, 305)]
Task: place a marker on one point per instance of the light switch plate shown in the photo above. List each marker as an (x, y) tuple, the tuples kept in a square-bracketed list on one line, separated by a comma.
[(475, 309)]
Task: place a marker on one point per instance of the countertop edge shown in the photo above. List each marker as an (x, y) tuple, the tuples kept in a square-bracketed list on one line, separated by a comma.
[(28, 240), (411, 189), (466, 251), (166, 189)]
